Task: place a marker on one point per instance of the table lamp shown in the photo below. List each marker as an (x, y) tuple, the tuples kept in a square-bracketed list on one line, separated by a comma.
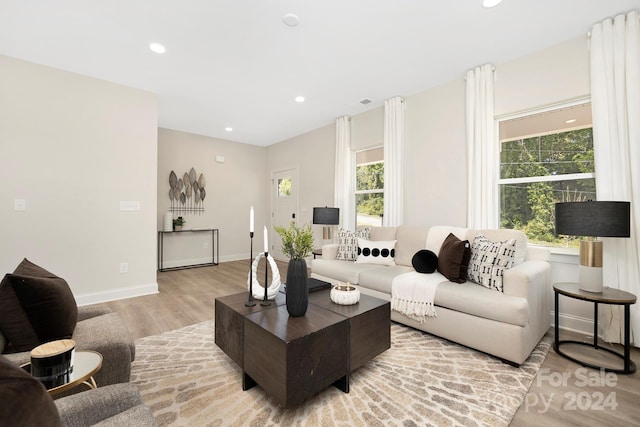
[(327, 217), (592, 219)]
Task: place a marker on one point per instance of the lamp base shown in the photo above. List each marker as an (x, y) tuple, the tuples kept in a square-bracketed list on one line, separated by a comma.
[(326, 232), (590, 279)]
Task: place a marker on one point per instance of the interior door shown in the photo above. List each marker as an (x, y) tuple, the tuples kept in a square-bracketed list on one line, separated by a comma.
[(284, 195)]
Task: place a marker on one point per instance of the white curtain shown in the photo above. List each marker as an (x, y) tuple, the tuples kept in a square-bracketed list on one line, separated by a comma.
[(344, 174), (393, 161), (615, 100), (482, 150)]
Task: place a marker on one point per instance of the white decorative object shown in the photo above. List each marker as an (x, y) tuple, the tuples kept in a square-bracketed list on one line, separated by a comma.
[(274, 287), (168, 221), (266, 240), (345, 294)]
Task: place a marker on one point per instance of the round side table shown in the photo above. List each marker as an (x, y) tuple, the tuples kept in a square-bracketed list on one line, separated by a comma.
[(607, 296), (85, 364)]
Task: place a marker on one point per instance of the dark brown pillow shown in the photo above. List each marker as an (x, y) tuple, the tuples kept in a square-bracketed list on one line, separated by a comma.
[(35, 308), (25, 402), (453, 258)]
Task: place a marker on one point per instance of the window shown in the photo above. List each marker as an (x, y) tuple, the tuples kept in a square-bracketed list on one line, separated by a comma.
[(545, 158), (284, 187), (369, 192)]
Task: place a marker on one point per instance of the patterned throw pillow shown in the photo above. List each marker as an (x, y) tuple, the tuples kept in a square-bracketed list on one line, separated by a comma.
[(348, 243), (489, 260), (376, 252)]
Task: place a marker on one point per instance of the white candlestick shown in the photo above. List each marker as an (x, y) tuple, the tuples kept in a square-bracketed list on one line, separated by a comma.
[(251, 220), (266, 240)]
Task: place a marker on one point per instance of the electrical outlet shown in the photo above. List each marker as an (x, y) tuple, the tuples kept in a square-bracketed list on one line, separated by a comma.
[(205, 245), (124, 267)]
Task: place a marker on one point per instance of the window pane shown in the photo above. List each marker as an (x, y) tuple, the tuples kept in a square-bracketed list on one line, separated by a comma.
[(555, 154), (284, 187), (369, 208), (370, 176), (530, 207)]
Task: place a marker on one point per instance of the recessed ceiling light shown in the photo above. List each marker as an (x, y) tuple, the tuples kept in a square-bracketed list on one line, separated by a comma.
[(300, 99), (228, 129), (490, 3), (291, 19), (570, 121), (157, 47)]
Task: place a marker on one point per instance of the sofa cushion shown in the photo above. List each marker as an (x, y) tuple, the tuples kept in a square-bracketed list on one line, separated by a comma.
[(382, 233), (25, 402), (380, 278), (35, 307), (489, 260), (348, 243), (479, 301), (410, 240), (438, 233), (453, 258), (343, 271), (425, 261), (376, 252), (502, 234)]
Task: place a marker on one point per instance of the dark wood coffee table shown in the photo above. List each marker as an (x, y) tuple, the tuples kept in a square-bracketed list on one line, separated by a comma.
[(293, 358)]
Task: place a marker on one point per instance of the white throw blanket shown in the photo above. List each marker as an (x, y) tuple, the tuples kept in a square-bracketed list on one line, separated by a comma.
[(412, 294)]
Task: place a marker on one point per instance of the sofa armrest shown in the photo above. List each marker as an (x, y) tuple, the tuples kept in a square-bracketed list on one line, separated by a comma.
[(92, 406), (526, 279), (531, 280), (89, 311), (330, 251)]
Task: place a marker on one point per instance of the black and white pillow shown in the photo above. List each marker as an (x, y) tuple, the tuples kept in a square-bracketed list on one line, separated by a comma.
[(489, 260), (348, 243), (376, 252)]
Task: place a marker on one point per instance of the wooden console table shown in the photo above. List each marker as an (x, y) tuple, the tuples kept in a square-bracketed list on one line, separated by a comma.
[(215, 246)]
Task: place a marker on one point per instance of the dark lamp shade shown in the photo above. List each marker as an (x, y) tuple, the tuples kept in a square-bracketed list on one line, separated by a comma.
[(593, 218), (326, 216)]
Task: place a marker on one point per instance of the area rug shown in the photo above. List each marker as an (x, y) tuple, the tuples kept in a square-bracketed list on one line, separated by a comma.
[(421, 380)]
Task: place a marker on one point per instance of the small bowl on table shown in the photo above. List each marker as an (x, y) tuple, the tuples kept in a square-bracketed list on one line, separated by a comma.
[(346, 294)]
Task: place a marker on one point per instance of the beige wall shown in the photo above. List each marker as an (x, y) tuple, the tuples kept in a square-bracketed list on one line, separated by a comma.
[(73, 148), (232, 187)]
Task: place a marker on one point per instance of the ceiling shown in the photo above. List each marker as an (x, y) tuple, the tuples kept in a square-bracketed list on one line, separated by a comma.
[(234, 63)]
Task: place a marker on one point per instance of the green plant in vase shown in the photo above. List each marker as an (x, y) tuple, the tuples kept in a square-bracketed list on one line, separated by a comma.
[(178, 223), (297, 244)]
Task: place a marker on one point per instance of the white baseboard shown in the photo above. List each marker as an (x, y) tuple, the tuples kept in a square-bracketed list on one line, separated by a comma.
[(116, 294), (195, 261), (574, 323)]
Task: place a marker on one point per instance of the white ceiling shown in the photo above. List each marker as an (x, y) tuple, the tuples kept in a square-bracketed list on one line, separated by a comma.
[(234, 63)]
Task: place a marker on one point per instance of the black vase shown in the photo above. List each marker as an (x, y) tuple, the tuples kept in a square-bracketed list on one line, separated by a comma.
[(297, 288)]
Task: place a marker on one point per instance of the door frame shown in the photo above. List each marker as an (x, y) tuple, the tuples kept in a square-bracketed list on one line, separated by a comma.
[(272, 198)]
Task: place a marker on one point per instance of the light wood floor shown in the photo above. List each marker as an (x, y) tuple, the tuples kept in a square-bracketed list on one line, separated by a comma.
[(563, 393)]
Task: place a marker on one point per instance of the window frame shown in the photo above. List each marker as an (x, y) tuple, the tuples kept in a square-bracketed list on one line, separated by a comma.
[(357, 192), (544, 178)]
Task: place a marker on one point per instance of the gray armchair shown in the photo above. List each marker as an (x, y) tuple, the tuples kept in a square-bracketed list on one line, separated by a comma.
[(101, 330), (27, 403), (114, 405)]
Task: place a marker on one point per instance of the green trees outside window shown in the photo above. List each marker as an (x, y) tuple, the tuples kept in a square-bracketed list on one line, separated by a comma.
[(369, 193), (537, 172)]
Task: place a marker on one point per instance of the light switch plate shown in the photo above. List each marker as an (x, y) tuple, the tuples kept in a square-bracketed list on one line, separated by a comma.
[(20, 204)]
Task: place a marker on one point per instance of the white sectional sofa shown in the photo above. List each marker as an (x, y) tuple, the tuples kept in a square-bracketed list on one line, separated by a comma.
[(506, 324)]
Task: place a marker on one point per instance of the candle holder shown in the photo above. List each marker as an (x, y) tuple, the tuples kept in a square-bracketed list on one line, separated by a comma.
[(250, 302), (265, 302)]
